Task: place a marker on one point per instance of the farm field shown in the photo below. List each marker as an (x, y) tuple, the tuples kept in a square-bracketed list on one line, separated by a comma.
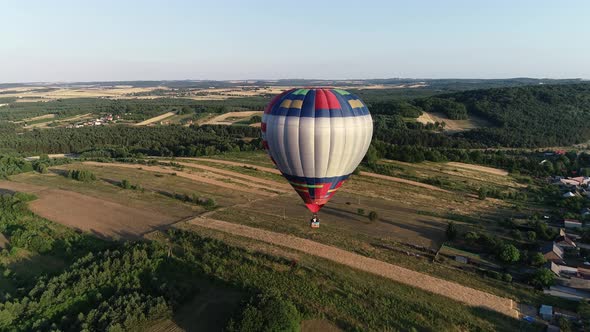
[(248, 191), (45, 122), (47, 93), (232, 117), (459, 176), (453, 126), (156, 119)]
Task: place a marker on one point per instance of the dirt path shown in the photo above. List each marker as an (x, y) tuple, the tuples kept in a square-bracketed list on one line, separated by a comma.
[(155, 119), (283, 187), (187, 175), (428, 283)]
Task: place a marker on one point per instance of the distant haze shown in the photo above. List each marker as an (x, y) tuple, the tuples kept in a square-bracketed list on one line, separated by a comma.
[(220, 40)]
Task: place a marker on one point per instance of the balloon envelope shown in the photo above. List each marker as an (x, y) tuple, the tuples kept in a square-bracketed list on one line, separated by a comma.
[(316, 137)]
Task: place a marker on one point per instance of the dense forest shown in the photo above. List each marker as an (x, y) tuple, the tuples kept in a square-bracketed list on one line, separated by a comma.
[(530, 116), (160, 140)]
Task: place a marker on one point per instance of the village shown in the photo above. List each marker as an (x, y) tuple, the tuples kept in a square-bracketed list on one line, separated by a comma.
[(106, 119)]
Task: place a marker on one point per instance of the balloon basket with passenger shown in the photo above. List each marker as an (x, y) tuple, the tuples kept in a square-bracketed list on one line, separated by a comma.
[(315, 221)]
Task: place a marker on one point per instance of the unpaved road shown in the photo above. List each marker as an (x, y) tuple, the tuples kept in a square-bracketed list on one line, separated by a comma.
[(155, 119), (399, 274), (194, 177)]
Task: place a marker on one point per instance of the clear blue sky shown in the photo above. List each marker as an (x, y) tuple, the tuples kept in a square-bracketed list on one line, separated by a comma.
[(152, 40)]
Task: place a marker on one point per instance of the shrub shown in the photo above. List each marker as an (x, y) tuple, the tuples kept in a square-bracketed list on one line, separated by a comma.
[(531, 235), (81, 175), (542, 278), (538, 259), (267, 313), (360, 212), (373, 216), (451, 231), (508, 253)]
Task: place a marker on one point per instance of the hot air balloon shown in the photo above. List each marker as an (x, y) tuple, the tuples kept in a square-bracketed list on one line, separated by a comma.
[(316, 137)]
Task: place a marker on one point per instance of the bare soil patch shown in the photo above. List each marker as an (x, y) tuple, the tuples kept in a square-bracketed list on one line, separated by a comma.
[(490, 170), (104, 218), (453, 125), (425, 118)]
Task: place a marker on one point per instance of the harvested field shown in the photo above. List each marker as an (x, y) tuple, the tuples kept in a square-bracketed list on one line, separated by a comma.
[(240, 164), (437, 286), (191, 176), (453, 125), (282, 187), (104, 218), (231, 117), (70, 119), (40, 117), (155, 119), (46, 93), (400, 180), (491, 170), (276, 171)]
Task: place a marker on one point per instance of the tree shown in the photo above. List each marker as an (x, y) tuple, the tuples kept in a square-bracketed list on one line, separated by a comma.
[(584, 312), (564, 324), (543, 277), (372, 155), (538, 259), (531, 236), (125, 184), (471, 237), (267, 313), (482, 193), (373, 216), (451, 231), (508, 253)]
